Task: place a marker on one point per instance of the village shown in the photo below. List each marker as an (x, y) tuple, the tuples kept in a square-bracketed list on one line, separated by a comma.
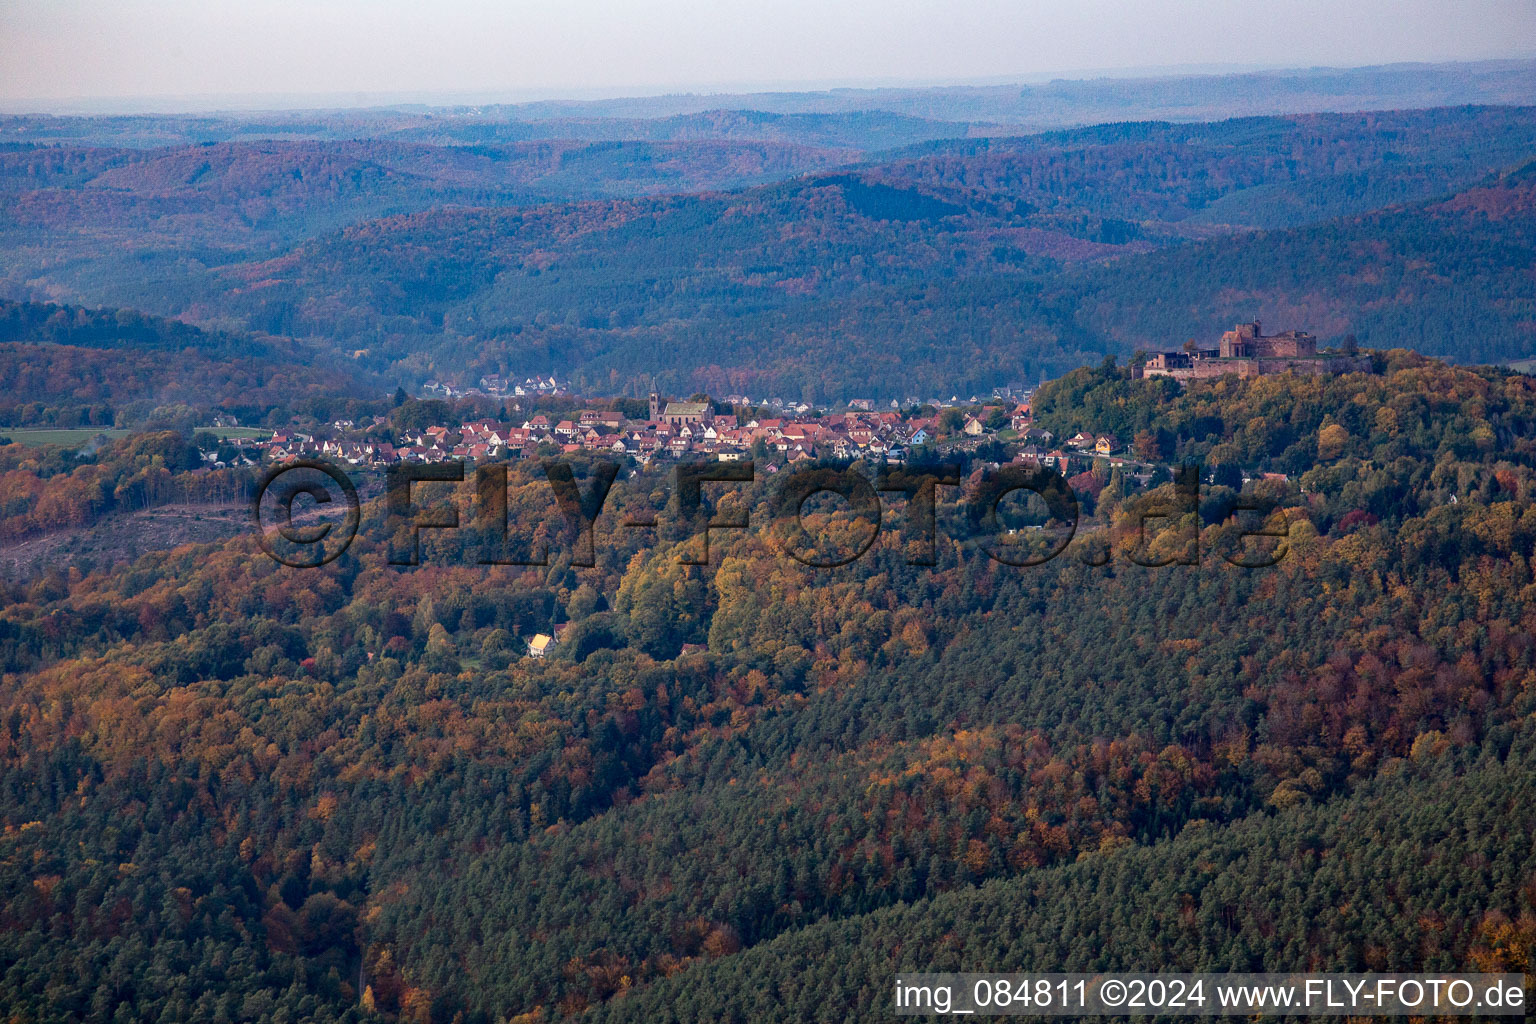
[(698, 429), (998, 430), (773, 431)]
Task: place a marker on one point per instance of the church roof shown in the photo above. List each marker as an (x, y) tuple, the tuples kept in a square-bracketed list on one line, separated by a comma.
[(686, 408)]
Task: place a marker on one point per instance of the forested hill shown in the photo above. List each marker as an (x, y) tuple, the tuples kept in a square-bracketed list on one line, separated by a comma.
[(1446, 277), (1357, 883), (65, 366), (954, 268), (1263, 172), (237, 195), (46, 323), (835, 286), (235, 791)]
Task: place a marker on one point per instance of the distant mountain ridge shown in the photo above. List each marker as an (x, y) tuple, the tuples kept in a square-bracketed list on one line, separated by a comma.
[(222, 191), (953, 265), (862, 118), (1242, 172)]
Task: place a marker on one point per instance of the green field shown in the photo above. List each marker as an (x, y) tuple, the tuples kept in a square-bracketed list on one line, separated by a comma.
[(68, 436), (239, 433), (37, 438)]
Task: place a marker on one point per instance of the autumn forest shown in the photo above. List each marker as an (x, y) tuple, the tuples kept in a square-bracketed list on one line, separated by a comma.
[(646, 786)]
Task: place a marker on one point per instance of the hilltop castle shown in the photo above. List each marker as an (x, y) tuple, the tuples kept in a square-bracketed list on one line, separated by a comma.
[(1248, 352)]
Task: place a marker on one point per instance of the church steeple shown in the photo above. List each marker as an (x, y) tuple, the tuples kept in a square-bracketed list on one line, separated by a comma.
[(655, 402)]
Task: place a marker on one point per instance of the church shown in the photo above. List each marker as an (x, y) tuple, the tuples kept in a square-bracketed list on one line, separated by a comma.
[(681, 414)]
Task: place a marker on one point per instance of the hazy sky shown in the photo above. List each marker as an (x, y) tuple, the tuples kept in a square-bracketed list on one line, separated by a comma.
[(161, 48)]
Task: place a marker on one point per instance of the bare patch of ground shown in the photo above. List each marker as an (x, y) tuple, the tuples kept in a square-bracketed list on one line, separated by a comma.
[(120, 539)]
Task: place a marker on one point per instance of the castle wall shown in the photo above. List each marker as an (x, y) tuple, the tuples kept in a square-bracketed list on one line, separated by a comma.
[(1207, 369), (1316, 364), (1203, 369), (1247, 341), (1291, 345)]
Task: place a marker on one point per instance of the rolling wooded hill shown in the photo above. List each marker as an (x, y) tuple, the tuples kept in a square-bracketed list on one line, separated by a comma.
[(231, 790), (833, 286), (65, 366), (1005, 257)]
